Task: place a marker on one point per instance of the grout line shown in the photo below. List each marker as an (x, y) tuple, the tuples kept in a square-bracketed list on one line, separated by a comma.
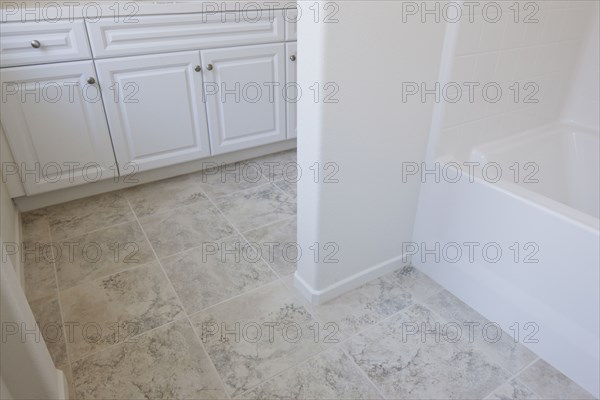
[(180, 253), (129, 339), (299, 363), (514, 376), (193, 314), (93, 231), (216, 198), (244, 239), (363, 373), (269, 224), (212, 363), (281, 190), (186, 316), (128, 269)]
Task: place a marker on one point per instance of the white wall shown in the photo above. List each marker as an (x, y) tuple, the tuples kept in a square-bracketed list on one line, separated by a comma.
[(26, 368), (508, 52), (367, 134), (583, 102), (9, 216)]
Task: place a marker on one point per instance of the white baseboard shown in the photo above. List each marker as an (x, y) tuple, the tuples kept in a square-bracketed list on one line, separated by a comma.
[(27, 203), (352, 282)]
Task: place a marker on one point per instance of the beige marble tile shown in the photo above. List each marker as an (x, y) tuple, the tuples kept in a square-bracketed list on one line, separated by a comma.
[(77, 217), (329, 375), (277, 244), (261, 333), (550, 383), (166, 363), (178, 230), (423, 365), (35, 225), (504, 350), (38, 269), (256, 207), (226, 179), (101, 253), (374, 301), (37, 256), (290, 187), (47, 315), (363, 306), (216, 271), (168, 194), (278, 166), (115, 308), (416, 282), (513, 390)]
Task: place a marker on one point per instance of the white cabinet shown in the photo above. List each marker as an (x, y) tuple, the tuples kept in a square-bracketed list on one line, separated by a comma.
[(165, 90), (292, 93), (243, 92), (55, 125), (154, 108)]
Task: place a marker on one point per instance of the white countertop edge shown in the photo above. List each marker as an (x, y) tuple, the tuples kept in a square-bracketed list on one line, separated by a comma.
[(45, 10)]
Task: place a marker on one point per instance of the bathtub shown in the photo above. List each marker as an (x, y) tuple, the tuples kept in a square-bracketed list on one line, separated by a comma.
[(532, 198)]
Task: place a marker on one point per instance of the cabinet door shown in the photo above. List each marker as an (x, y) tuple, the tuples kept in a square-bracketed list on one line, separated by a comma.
[(292, 92), (154, 108), (55, 125), (243, 91)]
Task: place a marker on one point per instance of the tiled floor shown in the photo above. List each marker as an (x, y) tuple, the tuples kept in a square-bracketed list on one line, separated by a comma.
[(183, 289)]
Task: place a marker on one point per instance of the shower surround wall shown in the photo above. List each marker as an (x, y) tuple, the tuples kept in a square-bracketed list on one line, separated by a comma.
[(552, 123), (530, 61), (583, 101)]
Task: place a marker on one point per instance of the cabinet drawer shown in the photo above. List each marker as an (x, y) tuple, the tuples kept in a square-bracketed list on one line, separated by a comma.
[(153, 34), (58, 41)]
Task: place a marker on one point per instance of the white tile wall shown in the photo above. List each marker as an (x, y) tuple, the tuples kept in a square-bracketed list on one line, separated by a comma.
[(583, 101), (544, 52)]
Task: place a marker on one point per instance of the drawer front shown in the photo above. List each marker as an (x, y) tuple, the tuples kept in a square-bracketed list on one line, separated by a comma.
[(154, 34), (58, 41)]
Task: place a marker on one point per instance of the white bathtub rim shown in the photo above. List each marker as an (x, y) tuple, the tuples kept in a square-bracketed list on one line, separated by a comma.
[(530, 134), (530, 197)]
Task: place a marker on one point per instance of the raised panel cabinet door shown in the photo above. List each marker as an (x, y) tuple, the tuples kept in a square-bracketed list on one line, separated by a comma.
[(155, 109), (292, 94), (55, 125), (243, 93)]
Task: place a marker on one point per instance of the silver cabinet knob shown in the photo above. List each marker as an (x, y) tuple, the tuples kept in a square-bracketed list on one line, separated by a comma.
[(198, 68), (293, 57), (91, 80), (35, 44), (209, 67)]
